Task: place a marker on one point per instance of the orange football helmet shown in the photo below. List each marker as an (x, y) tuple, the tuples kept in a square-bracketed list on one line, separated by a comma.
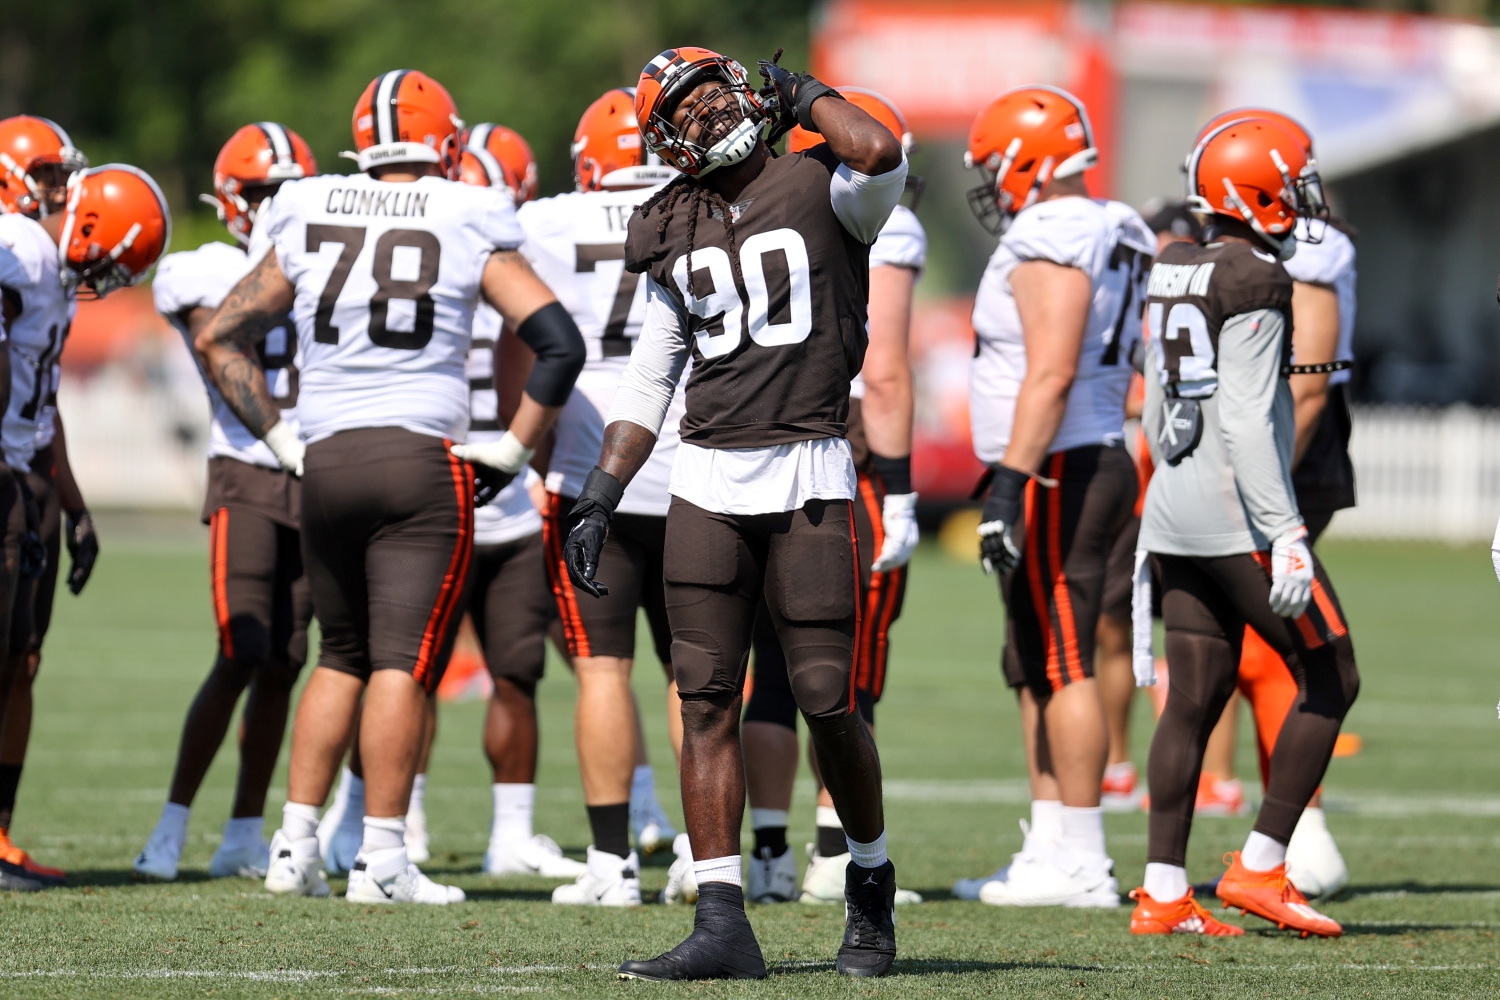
[(1251, 170), (882, 110), (729, 118), (495, 156), (607, 150), (1312, 183), (116, 227), (1020, 141), (405, 116), (36, 159), (257, 156)]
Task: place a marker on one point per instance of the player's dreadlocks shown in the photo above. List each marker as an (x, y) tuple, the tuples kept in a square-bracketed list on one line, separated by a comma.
[(665, 203)]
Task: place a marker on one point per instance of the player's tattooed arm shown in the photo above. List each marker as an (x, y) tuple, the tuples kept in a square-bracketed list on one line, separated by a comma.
[(627, 445), (254, 307)]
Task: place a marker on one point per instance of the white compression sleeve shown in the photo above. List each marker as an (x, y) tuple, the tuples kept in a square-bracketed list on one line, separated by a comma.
[(864, 202), (656, 363)]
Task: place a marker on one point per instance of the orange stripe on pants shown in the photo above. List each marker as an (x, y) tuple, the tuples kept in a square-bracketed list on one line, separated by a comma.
[(456, 575), (562, 584), (1071, 662), (218, 563)]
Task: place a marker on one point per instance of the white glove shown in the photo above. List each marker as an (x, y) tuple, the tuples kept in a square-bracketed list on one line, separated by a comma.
[(1291, 576), (898, 516), (508, 454), (287, 446)]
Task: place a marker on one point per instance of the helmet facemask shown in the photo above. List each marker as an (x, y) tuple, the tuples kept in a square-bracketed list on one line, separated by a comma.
[(728, 122)]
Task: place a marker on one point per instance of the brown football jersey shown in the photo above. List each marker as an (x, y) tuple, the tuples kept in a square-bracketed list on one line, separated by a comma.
[(776, 316), (1194, 290)]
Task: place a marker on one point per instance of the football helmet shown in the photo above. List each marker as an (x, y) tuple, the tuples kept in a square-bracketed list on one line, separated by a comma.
[(882, 110), (607, 150), (261, 155), (1020, 141), (729, 118), (495, 156), (1251, 169), (116, 226), (405, 116), (1312, 183), (36, 159)]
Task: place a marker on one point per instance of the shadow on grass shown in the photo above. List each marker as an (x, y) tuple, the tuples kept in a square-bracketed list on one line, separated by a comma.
[(931, 967)]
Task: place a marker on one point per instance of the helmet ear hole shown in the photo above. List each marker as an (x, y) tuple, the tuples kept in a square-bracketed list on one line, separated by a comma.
[(1265, 199), (1025, 168)]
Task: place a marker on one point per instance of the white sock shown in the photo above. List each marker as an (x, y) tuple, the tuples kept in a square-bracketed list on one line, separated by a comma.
[(245, 830), (829, 816), (174, 821), (1313, 819), (719, 870), (418, 791), (1083, 829), (383, 833), (300, 821), (1046, 822), (514, 805), (871, 855), (1164, 883), (1261, 853), (762, 818)]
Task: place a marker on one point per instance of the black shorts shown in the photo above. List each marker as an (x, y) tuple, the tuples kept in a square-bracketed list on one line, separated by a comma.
[(387, 538), (1054, 596), (37, 596), (16, 520), (630, 566), (512, 607), (804, 562), (262, 602)]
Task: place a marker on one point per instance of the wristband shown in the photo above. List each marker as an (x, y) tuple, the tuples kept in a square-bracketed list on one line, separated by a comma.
[(810, 90), (601, 491), (1005, 493), (894, 473)]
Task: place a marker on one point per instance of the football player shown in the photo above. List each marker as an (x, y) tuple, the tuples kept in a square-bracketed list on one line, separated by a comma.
[(382, 271), (260, 597), (576, 243), (1323, 301), (880, 424), (113, 226), (1222, 526), (758, 267), (1056, 321)]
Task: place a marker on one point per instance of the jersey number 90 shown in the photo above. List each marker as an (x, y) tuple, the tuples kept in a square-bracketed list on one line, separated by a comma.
[(779, 310), (388, 287)]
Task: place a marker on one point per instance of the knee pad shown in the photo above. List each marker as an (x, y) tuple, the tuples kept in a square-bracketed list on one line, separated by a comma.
[(820, 676), (699, 667), (250, 642)]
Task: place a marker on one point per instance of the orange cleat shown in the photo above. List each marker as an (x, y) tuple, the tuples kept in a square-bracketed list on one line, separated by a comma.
[(1220, 797), (17, 862), (1180, 916), (1271, 896)]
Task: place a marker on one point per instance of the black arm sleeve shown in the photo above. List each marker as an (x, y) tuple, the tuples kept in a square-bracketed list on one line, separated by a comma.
[(551, 333)]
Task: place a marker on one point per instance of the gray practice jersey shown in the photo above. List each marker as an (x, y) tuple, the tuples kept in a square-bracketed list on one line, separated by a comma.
[(1220, 334)]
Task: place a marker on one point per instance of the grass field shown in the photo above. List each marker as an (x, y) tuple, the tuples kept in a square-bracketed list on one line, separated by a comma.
[(1417, 817)]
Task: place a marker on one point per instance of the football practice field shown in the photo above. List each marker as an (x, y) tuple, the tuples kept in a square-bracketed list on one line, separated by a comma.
[(1417, 814)]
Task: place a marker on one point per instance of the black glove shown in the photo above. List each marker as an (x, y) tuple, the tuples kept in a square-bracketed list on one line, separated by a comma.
[(83, 547), (488, 482), (590, 518), (790, 96), (33, 556), (1000, 543)]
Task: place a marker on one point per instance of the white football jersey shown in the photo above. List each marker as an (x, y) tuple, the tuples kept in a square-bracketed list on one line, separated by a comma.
[(388, 277), (30, 277), (576, 244), (202, 278), (510, 515), (1329, 262), (1109, 242), (902, 243)]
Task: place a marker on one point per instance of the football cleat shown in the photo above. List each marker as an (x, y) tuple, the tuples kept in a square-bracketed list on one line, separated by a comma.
[(1271, 896), (682, 880), (158, 860), (772, 879), (14, 878), (418, 843), (823, 882), (371, 882), (653, 830), (968, 888), (1057, 878), (538, 856), (1220, 797), (296, 868), (869, 945), (1180, 916), (609, 880), (721, 946), (1121, 791), (239, 861), (1313, 861)]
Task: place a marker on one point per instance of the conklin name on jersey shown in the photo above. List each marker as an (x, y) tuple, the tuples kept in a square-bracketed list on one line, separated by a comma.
[(31, 282), (387, 279)]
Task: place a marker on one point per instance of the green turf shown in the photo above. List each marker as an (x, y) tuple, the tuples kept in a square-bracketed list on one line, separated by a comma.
[(1418, 829)]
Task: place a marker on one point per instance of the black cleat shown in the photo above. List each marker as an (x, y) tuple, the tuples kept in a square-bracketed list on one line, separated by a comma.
[(869, 945), (722, 945)]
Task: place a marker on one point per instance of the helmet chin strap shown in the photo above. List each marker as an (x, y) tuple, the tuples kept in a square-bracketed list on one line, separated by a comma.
[(734, 147), (1285, 247)]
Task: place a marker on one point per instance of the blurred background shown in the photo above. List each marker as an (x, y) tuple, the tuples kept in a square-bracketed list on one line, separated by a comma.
[(1404, 105)]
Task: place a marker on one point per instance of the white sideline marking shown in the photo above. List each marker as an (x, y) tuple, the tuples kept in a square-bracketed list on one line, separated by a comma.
[(295, 975)]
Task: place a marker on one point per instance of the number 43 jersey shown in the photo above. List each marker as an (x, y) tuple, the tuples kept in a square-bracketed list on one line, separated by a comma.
[(387, 279)]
